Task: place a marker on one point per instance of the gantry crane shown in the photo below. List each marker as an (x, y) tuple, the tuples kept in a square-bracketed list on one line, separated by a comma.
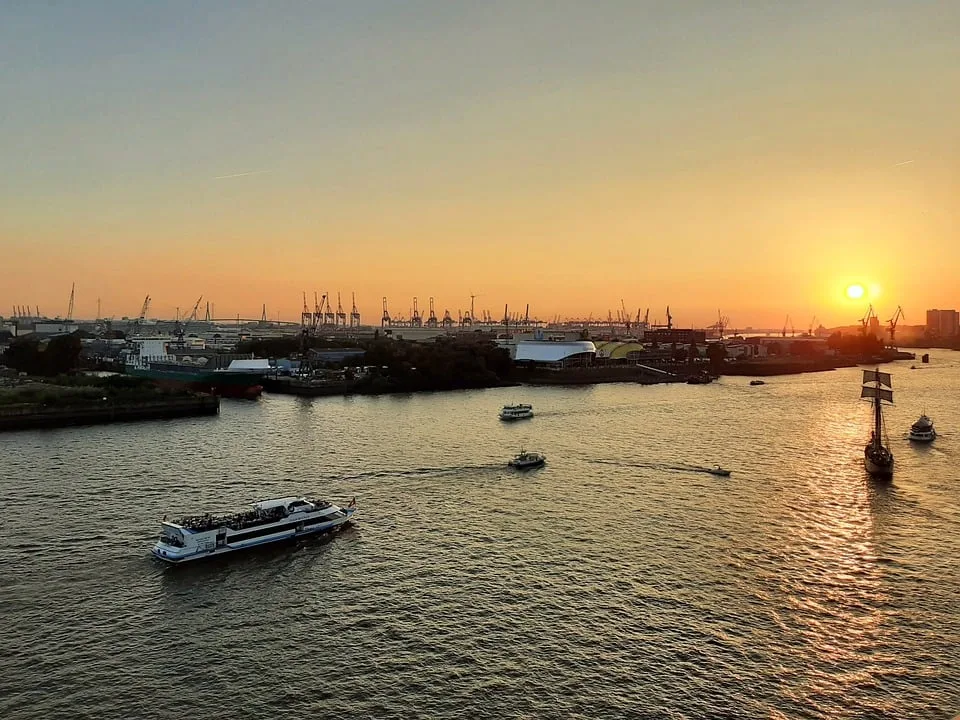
[(354, 313)]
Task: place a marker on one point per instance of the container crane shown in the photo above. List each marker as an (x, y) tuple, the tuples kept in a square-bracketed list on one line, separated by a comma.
[(415, 319), (329, 316), (341, 315), (385, 320), (354, 313)]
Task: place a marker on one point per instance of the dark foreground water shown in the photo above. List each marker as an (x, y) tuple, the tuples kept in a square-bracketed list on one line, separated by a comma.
[(619, 581)]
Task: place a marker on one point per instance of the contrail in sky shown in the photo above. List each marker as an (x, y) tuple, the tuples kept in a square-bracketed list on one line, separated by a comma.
[(252, 172), (905, 162)]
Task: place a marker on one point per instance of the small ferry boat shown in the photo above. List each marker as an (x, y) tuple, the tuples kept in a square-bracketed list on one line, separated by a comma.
[(203, 536), (516, 412), (526, 460), (877, 458), (922, 430), (757, 382)]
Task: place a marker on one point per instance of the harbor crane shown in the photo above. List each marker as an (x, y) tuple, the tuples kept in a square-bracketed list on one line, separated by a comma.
[(354, 313), (70, 307), (866, 319), (669, 319), (786, 321), (196, 308), (306, 317), (432, 319), (721, 324), (447, 321), (385, 320), (143, 313), (329, 316), (812, 323), (893, 326), (341, 315), (415, 319)]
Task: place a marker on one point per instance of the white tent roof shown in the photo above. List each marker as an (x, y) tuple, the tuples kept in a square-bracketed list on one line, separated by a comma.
[(255, 364), (534, 351)]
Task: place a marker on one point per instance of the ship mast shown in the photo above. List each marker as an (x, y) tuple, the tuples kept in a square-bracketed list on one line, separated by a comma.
[(877, 416)]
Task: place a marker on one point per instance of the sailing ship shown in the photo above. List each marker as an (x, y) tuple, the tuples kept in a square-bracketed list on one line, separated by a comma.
[(877, 458)]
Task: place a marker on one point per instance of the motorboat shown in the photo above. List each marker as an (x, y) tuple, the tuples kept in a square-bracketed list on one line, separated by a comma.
[(719, 471), (269, 521), (526, 460), (922, 430), (757, 382), (516, 412)]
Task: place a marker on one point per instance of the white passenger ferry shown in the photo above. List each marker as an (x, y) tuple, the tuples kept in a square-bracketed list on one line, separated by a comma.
[(202, 536), (516, 412)]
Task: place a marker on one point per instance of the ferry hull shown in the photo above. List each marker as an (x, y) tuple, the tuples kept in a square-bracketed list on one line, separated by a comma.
[(173, 558)]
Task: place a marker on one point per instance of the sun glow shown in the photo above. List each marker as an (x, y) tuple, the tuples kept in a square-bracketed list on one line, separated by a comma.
[(855, 292)]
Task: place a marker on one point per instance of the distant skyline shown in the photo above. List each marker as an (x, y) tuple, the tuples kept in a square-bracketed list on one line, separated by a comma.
[(753, 157)]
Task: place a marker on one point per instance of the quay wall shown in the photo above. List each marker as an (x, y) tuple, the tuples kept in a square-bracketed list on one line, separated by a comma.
[(31, 417)]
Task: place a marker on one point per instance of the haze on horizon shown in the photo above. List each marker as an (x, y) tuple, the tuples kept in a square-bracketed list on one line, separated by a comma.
[(756, 157)]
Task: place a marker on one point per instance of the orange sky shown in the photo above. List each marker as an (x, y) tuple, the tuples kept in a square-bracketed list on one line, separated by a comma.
[(568, 155)]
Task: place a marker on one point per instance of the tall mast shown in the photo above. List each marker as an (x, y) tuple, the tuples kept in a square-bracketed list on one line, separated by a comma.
[(877, 415)]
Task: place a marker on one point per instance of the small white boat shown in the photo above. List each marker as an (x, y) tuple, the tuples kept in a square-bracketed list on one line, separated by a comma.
[(719, 471), (202, 536), (922, 430), (516, 412), (526, 460)]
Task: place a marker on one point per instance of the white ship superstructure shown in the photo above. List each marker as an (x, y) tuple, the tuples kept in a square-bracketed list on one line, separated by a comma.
[(269, 521), (516, 412)]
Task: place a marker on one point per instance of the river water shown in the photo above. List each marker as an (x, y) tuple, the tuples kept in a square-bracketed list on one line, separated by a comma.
[(618, 581)]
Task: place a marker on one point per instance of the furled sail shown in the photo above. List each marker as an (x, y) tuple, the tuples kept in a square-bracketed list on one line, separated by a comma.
[(872, 392), (870, 376)]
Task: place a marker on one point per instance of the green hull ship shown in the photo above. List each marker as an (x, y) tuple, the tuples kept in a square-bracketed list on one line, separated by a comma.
[(228, 383)]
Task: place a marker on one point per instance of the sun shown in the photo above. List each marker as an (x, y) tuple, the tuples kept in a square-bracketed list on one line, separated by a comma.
[(855, 292)]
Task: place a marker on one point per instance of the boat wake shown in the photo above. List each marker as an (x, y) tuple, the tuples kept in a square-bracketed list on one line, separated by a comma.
[(418, 472), (659, 466)]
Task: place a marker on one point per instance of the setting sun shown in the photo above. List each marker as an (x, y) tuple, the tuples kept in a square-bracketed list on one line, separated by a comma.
[(855, 292)]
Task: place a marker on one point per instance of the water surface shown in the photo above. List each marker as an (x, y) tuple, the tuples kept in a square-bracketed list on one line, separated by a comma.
[(618, 581)]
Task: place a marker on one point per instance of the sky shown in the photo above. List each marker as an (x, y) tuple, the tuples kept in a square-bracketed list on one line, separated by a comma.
[(751, 157)]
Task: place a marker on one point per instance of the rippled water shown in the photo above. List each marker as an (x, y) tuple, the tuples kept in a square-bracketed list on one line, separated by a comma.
[(615, 582)]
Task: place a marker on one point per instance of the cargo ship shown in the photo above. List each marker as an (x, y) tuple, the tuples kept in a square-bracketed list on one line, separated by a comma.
[(152, 360)]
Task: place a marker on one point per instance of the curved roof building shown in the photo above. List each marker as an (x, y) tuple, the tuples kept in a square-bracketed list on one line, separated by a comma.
[(580, 352)]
